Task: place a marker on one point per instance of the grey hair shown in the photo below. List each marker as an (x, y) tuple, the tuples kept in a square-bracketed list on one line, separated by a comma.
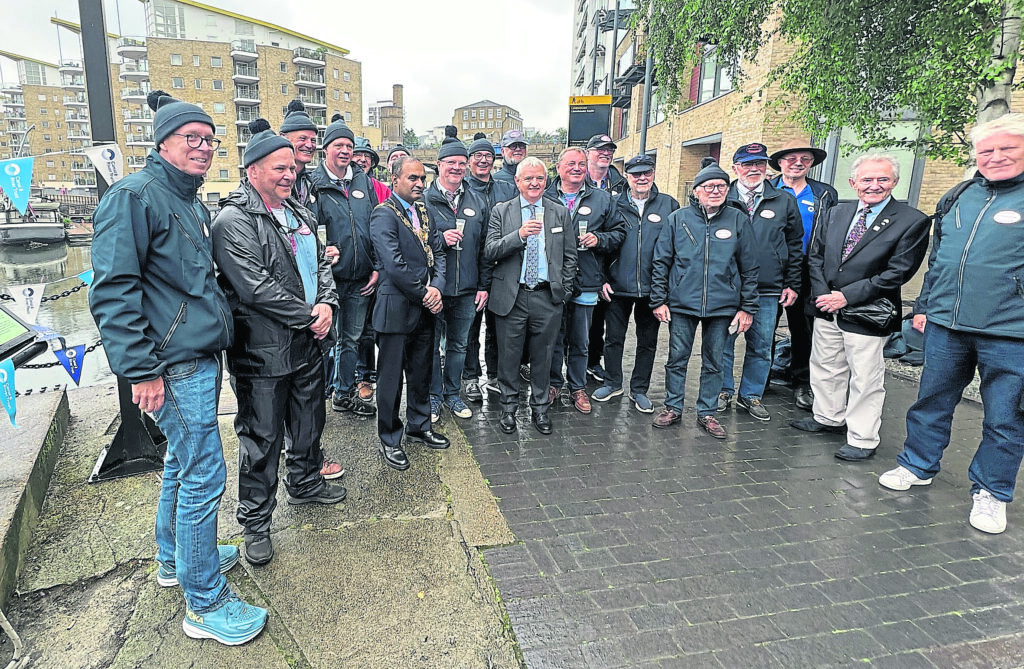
[(1011, 124), (876, 157), (530, 161), (570, 149)]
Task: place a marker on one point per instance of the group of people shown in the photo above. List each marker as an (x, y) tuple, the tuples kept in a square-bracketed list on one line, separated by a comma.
[(547, 273)]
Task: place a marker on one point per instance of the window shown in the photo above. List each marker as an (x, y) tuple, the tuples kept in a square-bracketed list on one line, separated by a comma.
[(46, 138), (175, 59), (195, 61), (46, 124), (497, 113), (212, 197), (60, 138), (243, 27), (465, 126), (472, 114), (222, 153), (348, 117), (284, 66), (490, 113), (715, 79), (284, 89), (199, 84), (223, 174), (335, 73), (337, 94), (211, 21), (218, 84), (490, 124), (168, 19), (58, 124), (465, 115), (220, 130), (53, 177), (44, 111), (472, 125), (49, 163), (348, 97), (177, 82), (215, 61), (218, 107), (346, 76), (41, 97)]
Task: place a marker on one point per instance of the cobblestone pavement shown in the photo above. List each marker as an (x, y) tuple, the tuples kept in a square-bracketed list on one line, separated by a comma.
[(667, 548)]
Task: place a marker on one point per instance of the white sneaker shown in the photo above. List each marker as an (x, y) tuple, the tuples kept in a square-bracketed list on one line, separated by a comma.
[(988, 513), (901, 478)]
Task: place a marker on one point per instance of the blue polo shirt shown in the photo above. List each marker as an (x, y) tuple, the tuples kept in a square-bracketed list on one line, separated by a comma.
[(805, 202)]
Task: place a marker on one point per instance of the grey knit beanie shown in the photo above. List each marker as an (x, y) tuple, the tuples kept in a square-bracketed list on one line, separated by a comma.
[(172, 113), (263, 142)]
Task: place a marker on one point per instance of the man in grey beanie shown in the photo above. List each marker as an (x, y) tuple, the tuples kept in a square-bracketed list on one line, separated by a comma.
[(279, 285), (299, 129), (151, 256)]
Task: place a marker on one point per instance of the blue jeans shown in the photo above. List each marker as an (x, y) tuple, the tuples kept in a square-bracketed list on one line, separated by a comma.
[(453, 325), (950, 358), (757, 363), (574, 333), (681, 332), (193, 481), (349, 321)]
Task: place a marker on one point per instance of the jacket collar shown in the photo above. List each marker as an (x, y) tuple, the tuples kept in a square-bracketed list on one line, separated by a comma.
[(246, 198), (183, 185)]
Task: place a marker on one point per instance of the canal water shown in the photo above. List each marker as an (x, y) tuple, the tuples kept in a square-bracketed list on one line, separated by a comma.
[(58, 266)]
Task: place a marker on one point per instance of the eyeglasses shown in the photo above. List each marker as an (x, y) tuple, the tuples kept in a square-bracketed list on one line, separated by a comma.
[(482, 157), (792, 158), (714, 188), (645, 173), (531, 180), (881, 181), (195, 141), (454, 164)]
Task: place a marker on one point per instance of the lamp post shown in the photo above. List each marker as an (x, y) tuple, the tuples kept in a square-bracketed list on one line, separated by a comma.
[(24, 138)]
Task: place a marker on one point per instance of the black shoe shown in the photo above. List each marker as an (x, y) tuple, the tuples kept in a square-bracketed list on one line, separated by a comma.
[(258, 548), (542, 422), (473, 392), (854, 454), (804, 398), (331, 494), (352, 403), (811, 425), (429, 437), (507, 422), (597, 373), (524, 373), (394, 456)]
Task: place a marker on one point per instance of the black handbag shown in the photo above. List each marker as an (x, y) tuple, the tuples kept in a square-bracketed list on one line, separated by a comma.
[(879, 314)]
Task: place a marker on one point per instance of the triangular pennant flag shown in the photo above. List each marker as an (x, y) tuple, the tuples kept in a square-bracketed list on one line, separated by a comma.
[(86, 277), (27, 299), (16, 181), (7, 397), (108, 161), (72, 359)]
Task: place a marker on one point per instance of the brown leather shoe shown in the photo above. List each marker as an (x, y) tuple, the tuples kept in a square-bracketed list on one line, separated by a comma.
[(581, 401), (667, 417), (365, 389), (711, 426), (552, 394)]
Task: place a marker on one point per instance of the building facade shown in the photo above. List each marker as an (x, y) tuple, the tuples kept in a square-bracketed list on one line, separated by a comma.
[(491, 118), (593, 36)]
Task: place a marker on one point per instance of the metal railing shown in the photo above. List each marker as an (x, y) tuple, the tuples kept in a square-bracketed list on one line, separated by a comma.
[(246, 71), (308, 54), (248, 92), (133, 93), (304, 74), (247, 45)]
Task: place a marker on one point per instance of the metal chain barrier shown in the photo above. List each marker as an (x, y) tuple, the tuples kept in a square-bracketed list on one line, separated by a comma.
[(54, 388), (45, 365), (63, 293)]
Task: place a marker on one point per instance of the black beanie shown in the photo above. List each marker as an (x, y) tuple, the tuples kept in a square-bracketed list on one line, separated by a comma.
[(710, 170), (451, 146), (263, 142)]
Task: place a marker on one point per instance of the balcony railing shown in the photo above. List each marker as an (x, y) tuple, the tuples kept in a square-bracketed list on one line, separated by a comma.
[(243, 46), (303, 74), (70, 65), (308, 54), (14, 113), (247, 71), (144, 138), (136, 161), (247, 92), (133, 93), (246, 114), (137, 115), (244, 136), (319, 100), (79, 99)]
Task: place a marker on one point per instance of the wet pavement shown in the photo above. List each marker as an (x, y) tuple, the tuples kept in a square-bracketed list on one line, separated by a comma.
[(666, 548)]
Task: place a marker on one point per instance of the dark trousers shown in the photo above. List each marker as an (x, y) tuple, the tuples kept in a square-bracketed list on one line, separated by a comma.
[(366, 367), (595, 351), (267, 407), (410, 354), (800, 328), (472, 371), (616, 324), (533, 316), (571, 346)]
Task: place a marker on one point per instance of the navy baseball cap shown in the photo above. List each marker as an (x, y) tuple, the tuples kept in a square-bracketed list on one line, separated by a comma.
[(639, 164), (748, 153)]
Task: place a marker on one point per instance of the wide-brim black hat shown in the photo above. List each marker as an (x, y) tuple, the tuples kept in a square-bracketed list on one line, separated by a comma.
[(818, 154)]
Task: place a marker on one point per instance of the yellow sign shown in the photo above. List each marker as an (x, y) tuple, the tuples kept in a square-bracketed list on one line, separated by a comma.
[(590, 100)]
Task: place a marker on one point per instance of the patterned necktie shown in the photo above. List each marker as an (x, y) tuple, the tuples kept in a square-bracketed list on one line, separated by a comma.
[(532, 272), (414, 218), (751, 201), (856, 232), (451, 199)]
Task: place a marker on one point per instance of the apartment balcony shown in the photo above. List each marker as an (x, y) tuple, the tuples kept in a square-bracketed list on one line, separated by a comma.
[(135, 95), (634, 74), (136, 161), (314, 100), (131, 47), (76, 115), (138, 71), (246, 114), (247, 95), (304, 56), (622, 96), (243, 136), (85, 181), (14, 101), (319, 120), (245, 74), (138, 115), (310, 78), (73, 84), (14, 113), (13, 89), (81, 132), (244, 50), (82, 167), (134, 139), (17, 127), (70, 67), (76, 100)]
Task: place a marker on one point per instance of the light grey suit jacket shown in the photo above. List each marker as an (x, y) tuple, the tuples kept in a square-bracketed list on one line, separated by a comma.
[(504, 248)]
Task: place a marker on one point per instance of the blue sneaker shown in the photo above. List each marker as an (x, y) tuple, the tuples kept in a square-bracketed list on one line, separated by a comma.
[(458, 407), (605, 393), (167, 577), (435, 408), (642, 403), (232, 623)]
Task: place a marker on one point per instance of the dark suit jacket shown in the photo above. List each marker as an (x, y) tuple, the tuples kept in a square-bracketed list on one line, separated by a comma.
[(402, 263), (884, 259), (506, 249)]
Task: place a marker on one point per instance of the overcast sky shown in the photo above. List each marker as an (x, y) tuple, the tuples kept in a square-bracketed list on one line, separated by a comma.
[(515, 52)]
